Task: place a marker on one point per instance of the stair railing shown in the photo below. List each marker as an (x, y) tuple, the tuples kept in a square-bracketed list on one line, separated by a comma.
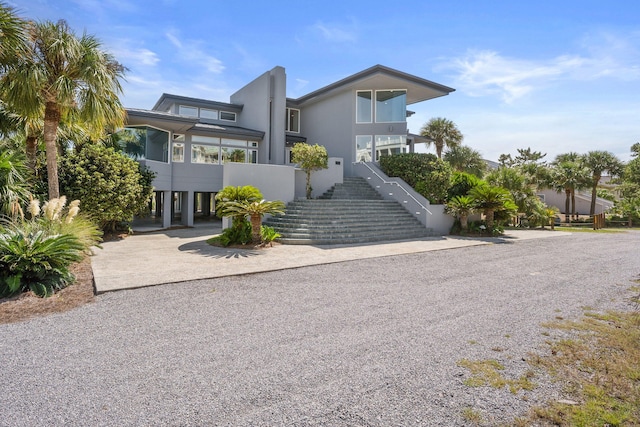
[(387, 182)]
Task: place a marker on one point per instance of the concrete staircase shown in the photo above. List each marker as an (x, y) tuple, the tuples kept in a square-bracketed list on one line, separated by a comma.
[(352, 212)]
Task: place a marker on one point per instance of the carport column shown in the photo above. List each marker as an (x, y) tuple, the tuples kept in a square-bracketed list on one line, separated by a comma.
[(167, 203), (187, 208)]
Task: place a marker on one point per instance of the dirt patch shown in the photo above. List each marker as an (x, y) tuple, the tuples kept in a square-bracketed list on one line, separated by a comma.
[(27, 305)]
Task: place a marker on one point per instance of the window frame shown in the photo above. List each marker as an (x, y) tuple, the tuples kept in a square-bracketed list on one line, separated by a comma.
[(371, 104), (404, 112), (289, 120), (221, 113), (188, 107)]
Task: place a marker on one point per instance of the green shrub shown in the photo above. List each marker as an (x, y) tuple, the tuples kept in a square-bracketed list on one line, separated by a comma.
[(237, 234), (427, 174), (268, 234), (36, 261), (411, 167), (35, 254), (112, 187)]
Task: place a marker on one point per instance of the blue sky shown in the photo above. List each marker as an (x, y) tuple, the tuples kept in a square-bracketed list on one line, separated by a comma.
[(556, 76)]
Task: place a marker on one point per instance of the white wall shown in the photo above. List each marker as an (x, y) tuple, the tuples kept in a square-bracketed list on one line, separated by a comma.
[(275, 182)]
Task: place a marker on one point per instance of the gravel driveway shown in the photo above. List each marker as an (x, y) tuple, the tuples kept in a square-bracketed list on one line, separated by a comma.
[(359, 343)]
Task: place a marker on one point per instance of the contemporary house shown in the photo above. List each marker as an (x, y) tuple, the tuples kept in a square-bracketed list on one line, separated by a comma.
[(197, 146)]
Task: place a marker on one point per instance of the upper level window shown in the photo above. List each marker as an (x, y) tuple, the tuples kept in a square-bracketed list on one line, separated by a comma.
[(363, 106), (206, 113), (391, 106), (293, 120), (226, 115), (144, 143), (188, 111)]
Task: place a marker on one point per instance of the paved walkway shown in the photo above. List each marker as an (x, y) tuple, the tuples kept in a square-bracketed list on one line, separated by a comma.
[(181, 255)]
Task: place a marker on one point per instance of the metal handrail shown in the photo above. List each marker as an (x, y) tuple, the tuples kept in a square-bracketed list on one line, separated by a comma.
[(384, 181)]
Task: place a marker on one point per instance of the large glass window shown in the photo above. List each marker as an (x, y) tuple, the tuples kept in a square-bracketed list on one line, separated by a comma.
[(363, 148), (188, 111), (363, 106), (144, 143), (293, 120), (388, 145), (391, 106), (234, 155), (205, 113), (209, 154)]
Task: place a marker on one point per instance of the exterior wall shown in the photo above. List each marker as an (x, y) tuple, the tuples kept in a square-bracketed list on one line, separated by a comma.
[(583, 202), (274, 182), (330, 123), (431, 216), (162, 181), (321, 180), (264, 108), (197, 177)]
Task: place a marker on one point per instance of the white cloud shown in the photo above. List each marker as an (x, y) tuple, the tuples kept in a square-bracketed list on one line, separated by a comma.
[(134, 57), (486, 72), (192, 52), (336, 33)]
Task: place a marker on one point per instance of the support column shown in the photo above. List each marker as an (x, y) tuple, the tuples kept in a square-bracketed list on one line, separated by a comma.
[(167, 207), (158, 196), (206, 204), (187, 208)]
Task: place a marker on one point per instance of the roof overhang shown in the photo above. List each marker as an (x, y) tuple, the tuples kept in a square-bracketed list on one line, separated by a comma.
[(178, 123), (167, 100), (380, 77)]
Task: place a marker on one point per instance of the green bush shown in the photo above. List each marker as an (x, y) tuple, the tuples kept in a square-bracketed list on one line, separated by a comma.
[(411, 167), (427, 174), (35, 254), (268, 234), (240, 233), (112, 187)]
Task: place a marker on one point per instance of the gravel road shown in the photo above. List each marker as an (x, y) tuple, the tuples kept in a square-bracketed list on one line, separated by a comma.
[(361, 343)]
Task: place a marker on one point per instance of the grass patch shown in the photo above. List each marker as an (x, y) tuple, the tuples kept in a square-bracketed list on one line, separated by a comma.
[(472, 416), (600, 369), (588, 230), (487, 373)]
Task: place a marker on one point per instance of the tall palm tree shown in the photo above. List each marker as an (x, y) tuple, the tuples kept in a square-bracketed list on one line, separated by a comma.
[(12, 36), (465, 159), (442, 132), (64, 78), (598, 162), (568, 176)]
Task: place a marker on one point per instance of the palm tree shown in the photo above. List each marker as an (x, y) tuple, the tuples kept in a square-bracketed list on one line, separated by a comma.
[(461, 207), (13, 186), (465, 159), (598, 162), (255, 210), (492, 199), (568, 176), (12, 36), (442, 132), (241, 193), (64, 78)]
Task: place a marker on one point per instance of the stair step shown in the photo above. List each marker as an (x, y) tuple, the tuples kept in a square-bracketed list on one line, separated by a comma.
[(350, 212)]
